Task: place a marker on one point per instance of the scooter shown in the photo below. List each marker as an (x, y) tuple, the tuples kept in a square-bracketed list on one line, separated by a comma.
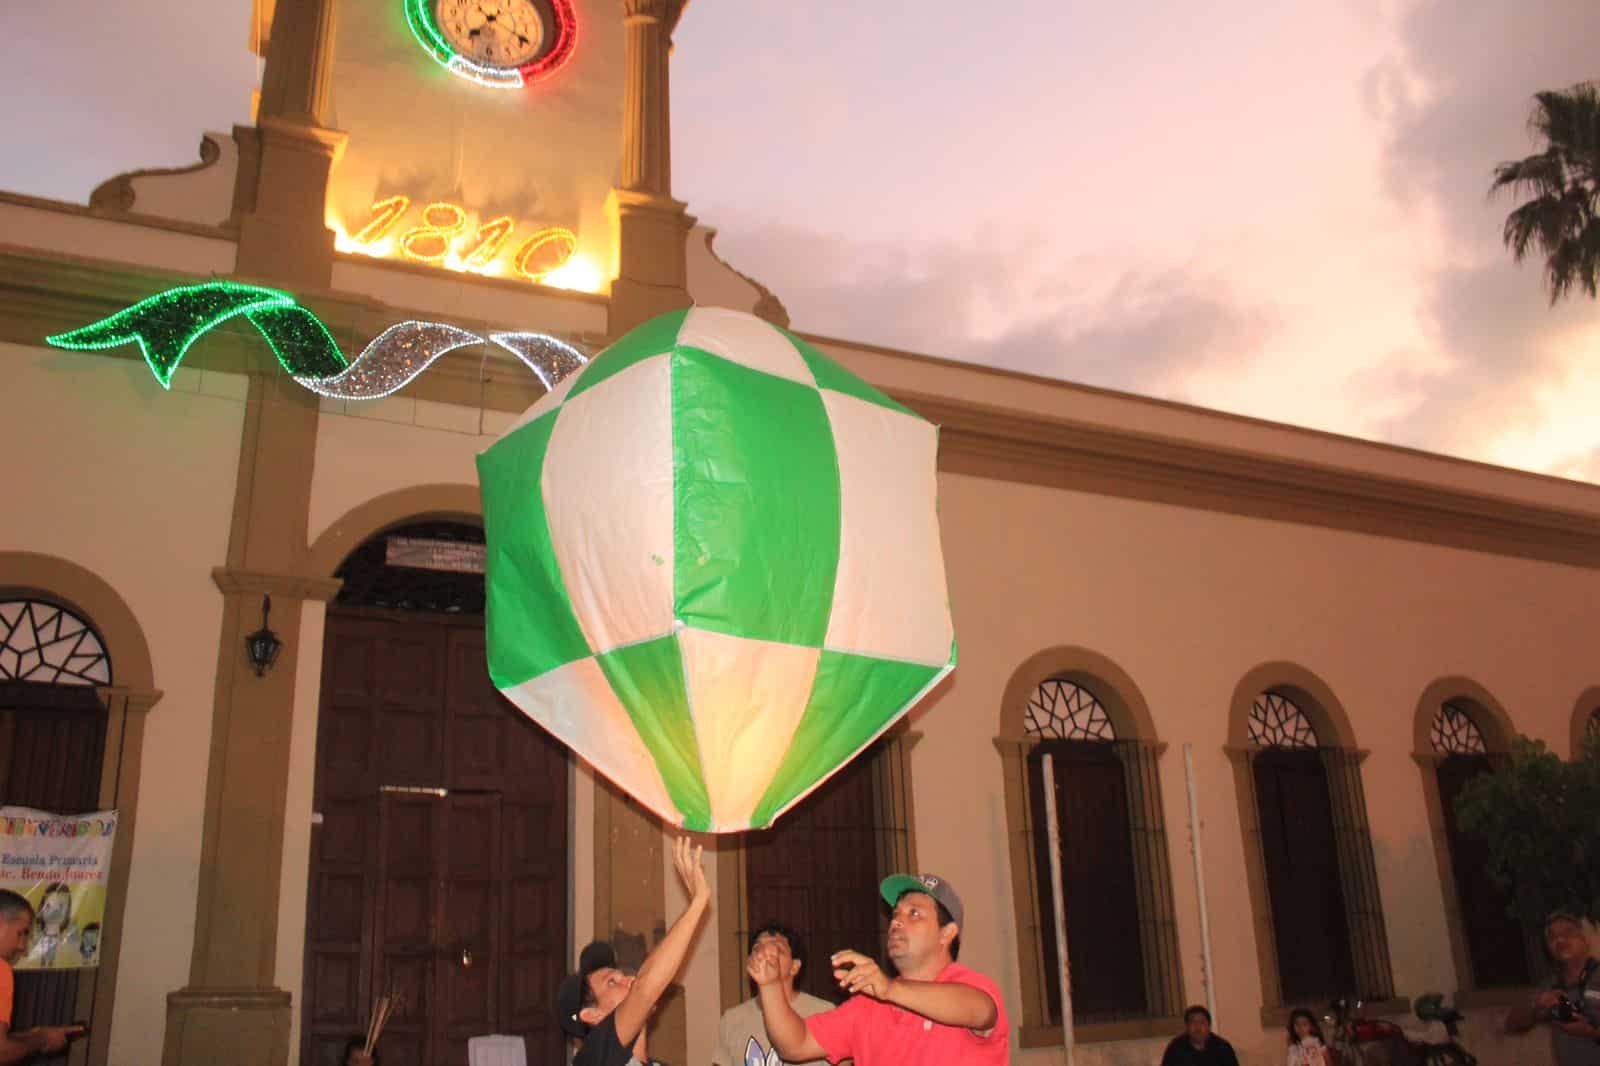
[(1433, 1008), (1362, 1041)]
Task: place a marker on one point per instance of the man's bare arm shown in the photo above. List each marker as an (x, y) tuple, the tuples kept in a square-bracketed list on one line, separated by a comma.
[(787, 1029), (945, 1002), (1521, 1019), (14, 1047)]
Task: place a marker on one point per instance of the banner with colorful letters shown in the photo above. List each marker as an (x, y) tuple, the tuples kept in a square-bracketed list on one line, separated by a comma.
[(60, 863)]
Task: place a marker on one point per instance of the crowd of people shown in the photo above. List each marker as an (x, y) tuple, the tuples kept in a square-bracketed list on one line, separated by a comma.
[(927, 1008), (932, 1010)]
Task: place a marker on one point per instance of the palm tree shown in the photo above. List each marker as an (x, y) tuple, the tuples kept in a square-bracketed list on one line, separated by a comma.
[(1561, 218)]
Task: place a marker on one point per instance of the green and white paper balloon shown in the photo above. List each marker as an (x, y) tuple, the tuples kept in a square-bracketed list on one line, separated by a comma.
[(714, 567)]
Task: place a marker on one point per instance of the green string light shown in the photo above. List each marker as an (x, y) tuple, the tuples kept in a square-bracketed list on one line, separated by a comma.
[(166, 326), (301, 342)]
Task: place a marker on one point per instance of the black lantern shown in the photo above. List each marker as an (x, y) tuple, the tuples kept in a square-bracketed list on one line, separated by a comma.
[(263, 645)]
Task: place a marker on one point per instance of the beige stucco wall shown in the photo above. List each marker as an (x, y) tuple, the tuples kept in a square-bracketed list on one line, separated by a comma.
[(1187, 603), (108, 471)]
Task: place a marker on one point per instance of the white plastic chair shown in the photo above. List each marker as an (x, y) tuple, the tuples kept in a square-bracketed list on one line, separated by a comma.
[(497, 1051)]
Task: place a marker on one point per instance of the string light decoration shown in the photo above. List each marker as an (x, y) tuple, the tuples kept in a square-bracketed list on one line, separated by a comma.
[(417, 243), (166, 325), (392, 361), (385, 213), (300, 341), (425, 28), (438, 238), (549, 359), (486, 245), (545, 252)]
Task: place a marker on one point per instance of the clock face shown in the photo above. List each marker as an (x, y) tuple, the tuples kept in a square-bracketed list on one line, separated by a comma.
[(499, 44), (492, 33)]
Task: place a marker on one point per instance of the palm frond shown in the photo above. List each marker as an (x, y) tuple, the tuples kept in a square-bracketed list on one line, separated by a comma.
[(1560, 187)]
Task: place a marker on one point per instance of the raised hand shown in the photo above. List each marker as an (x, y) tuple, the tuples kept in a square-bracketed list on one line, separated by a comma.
[(687, 860), (856, 972), (763, 966)]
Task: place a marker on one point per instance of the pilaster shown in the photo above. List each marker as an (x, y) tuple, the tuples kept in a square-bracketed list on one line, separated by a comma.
[(231, 1010), (284, 163), (652, 228)]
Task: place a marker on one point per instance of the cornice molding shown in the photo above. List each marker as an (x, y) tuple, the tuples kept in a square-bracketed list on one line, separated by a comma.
[(1009, 445), (136, 701), (284, 586), (126, 218)]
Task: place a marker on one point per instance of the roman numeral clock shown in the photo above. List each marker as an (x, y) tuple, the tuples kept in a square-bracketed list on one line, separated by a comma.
[(501, 44)]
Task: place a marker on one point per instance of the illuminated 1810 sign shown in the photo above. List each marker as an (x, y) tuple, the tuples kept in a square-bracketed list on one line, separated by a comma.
[(445, 234)]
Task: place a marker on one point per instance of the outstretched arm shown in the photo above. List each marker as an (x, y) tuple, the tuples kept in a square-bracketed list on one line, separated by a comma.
[(1521, 1019), (787, 1029), (14, 1047), (663, 964), (945, 1002)]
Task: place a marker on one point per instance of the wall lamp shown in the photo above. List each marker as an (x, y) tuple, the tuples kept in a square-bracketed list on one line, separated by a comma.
[(263, 645)]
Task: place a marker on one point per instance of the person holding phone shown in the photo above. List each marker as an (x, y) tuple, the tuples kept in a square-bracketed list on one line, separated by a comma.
[(16, 924)]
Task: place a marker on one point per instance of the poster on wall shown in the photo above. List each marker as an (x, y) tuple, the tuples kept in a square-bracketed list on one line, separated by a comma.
[(59, 863)]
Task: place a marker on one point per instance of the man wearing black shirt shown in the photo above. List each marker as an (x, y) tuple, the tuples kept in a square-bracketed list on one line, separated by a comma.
[(1199, 1046), (606, 1008)]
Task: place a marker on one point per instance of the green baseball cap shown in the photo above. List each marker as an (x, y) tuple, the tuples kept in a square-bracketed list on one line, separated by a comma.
[(897, 885)]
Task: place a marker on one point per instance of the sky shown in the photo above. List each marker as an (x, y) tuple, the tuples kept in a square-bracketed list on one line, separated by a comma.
[(1279, 211)]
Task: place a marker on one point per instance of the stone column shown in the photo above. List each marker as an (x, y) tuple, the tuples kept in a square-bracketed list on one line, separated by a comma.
[(651, 227), (280, 201), (231, 1011)]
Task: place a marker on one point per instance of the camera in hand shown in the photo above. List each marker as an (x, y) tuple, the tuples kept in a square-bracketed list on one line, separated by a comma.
[(1565, 1011)]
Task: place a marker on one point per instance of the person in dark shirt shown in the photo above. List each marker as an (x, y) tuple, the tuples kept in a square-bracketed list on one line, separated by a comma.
[(1198, 1044), (606, 1008)]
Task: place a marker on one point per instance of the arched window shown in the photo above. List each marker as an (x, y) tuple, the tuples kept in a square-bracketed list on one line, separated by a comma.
[(1122, 946), (1091, 797), (1301, 852), (44, 643), (1313, 879), (1464, 741)]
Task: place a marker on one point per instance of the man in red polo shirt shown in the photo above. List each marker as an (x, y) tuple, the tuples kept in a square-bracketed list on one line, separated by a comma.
[(935, 1012)]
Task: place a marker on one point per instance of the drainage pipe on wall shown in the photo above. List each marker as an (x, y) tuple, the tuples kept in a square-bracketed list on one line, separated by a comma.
[(1057, 904), (1200, 883)]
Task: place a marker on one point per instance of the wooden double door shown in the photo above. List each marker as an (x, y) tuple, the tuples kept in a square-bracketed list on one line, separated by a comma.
[(52, 745), (439, 848)]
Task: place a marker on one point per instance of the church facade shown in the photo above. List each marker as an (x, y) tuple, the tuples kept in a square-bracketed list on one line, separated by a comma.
[(1262, 660)]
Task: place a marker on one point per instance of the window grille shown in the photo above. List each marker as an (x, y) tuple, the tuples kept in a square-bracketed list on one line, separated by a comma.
[(45, 643)]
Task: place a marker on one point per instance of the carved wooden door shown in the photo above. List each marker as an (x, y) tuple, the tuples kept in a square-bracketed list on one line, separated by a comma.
[(52, 743), (439, 868)]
